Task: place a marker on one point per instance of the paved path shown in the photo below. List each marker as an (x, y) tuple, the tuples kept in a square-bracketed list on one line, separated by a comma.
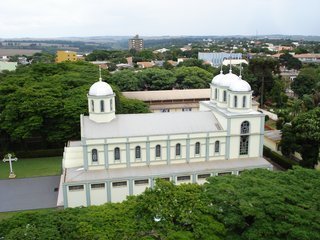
[(28, 193)]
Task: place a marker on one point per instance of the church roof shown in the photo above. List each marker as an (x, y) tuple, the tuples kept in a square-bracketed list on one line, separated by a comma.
[(168, 95), (132, 125), (100, 88)]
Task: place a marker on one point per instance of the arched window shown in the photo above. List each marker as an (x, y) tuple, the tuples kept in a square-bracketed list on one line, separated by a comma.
[(101, 106), (244, 145), (244, 101), (138, 152), (244, 138), (158, 151), (117, 153), (111, 105), (235, 101), (197, 148), (94, 155), (245, 127), (215, 93), (92, 105), (224, 95), (178, 149), (217, 147)]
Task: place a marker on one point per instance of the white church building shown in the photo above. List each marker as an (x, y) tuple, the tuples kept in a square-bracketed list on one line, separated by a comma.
[(122, 155)]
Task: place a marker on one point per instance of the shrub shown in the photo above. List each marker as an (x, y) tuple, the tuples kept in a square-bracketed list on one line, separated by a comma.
[(279, 159)]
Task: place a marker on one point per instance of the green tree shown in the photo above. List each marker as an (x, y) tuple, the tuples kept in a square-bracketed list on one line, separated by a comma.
[(264, 69), (156, 79), (307, 81), (126, 80), (192, 77), (290, 62), (263, 204), (277, 93), (172, 211), (306, 127), (288, 141), (40, 104)]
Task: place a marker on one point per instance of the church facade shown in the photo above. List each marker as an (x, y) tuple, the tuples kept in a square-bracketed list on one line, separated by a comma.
[(121, 155)]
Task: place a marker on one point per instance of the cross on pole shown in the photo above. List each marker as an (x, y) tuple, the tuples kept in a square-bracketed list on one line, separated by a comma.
[(10, 159)]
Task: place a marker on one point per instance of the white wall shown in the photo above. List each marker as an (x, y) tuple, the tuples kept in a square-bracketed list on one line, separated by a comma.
[(77, 198), (98, 196), (119, 193)]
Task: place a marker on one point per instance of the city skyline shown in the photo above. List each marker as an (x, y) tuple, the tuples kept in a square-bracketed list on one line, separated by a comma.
[(57, 18)]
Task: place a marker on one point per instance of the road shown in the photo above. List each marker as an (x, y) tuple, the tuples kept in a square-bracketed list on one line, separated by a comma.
[(28, 193)]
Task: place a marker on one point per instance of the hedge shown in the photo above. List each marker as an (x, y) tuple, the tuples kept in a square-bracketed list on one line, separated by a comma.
[(40, 153), (283, 161)]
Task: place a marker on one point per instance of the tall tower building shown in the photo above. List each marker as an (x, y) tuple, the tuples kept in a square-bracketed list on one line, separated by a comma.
[(136, 43)]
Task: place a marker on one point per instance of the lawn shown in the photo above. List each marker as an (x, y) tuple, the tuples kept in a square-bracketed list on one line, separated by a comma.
[(5, 215), (32, 167)]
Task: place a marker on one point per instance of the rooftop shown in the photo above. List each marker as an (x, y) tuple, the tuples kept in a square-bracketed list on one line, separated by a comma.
[(149, 124), (169, 94)]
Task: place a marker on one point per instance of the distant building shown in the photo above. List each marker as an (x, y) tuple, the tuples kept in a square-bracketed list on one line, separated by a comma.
[(186, 48), (9, 66), (183, 59), (176, 100), (162, 50), (308, 57), (66, 56), (136, 43), (171, 100), (145, 64), (216, 58), (234, 62), (23, 60)]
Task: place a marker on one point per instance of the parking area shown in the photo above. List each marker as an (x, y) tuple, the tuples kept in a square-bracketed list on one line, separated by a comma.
[(28, 193)]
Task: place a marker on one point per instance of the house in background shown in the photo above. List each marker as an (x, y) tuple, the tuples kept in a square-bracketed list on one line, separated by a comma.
[(9, 66), (171, 100)]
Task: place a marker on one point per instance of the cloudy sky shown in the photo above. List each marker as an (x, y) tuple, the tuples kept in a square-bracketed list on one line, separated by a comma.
[(64, 18)]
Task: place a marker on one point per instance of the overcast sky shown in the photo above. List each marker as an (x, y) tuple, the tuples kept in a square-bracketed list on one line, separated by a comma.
[(64, 18)]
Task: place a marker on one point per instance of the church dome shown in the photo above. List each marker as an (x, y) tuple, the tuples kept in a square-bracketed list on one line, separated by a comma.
[(218, 78), (240, 86), (100, 88), (229, 79)]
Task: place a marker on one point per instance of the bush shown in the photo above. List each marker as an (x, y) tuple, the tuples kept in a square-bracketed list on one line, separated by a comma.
[(283, 161), (40, 153)]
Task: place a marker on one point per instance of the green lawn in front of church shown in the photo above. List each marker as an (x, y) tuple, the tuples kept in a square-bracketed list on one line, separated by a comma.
[(32, 167), (5, 215)]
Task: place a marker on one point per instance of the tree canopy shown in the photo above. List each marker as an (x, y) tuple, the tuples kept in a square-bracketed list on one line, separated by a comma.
[(41, 103), (258, 204), (264, 70), (303, 135), (307, 82), (289, 61)]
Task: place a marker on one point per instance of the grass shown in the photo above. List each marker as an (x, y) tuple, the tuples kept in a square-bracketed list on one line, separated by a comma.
[(32, 167), (6, 215)]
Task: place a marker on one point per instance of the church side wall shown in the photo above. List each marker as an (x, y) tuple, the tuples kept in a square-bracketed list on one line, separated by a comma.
[(148, 145)]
